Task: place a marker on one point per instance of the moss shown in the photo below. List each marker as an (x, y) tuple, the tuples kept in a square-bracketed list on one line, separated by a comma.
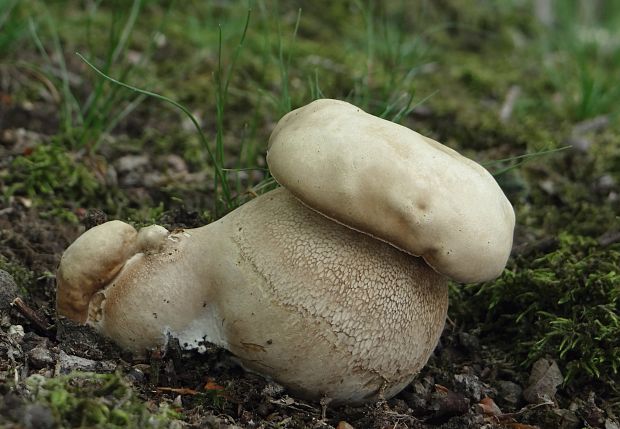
[(81, 400), (564, 302), (56, 181), (606, 154), (23, 277)]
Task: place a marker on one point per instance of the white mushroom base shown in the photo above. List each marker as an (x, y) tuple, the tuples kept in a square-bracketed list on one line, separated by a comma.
[(322, 309)]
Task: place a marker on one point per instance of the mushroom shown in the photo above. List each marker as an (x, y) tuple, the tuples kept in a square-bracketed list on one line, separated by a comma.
[(335, 284)]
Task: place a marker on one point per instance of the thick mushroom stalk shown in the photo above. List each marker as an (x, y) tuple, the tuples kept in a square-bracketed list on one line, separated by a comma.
[(308, 284), (321, 308)]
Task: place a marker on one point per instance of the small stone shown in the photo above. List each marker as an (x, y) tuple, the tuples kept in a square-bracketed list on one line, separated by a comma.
[(178, 402), (344, 425), (70, 363), (131, 169), (446, 403), (469, 384), (16, 332), (40, 357), (582, 144), (567, 419), (153, 179), (175, 164), (136, 375), (129, 163), (418, 394), (509, 392), (543, 382), (8, 290), (607, 181)]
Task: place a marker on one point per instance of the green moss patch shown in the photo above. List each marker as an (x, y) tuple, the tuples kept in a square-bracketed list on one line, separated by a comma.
[(81, 400), (565, 303)]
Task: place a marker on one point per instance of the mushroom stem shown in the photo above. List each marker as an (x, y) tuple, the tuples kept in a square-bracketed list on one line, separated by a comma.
[(323, 309)]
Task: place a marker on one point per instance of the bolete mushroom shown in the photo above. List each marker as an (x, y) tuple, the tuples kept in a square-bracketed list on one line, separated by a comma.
[(335, 284)]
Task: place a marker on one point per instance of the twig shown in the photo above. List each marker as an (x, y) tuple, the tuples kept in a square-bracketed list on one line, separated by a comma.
[(178, 390), (33, 316), (526, 408)]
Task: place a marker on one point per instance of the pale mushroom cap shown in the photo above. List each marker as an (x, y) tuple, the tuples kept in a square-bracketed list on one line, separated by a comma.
[(95, 259), (89, 264), (392, 183)]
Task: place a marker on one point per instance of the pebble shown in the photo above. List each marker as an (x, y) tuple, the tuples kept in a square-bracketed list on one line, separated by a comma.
[(8, 290), (176, 164), (469, 384), (16, 332), (509, 392), (131, 169), (70, 363), (543, 382), (128, 163), (567, 419), (40, 357), (136, 375)]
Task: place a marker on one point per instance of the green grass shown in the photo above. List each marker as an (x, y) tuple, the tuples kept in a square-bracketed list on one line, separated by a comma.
[(86, 120), (12, 27), (580, 52), (399, 93)]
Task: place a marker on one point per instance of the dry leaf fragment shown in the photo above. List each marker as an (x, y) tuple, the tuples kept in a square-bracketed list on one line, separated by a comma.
[(212, 385), (489, 407)]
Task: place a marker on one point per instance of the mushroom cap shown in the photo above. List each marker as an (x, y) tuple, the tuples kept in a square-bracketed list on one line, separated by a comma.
[(95, 259), (396, 185), (89, 264)]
